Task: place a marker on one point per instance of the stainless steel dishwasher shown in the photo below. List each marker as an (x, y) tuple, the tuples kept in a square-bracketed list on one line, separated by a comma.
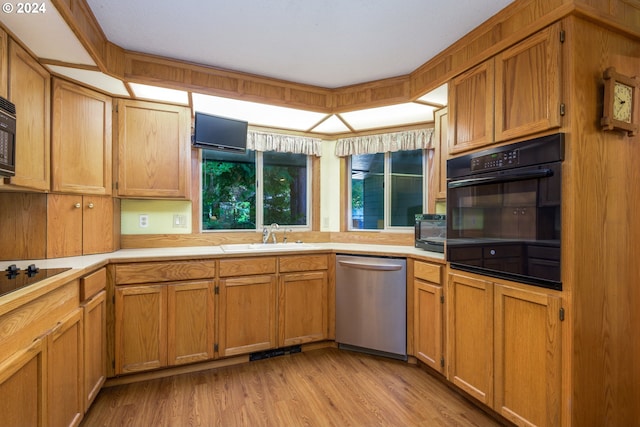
[(371, 305)]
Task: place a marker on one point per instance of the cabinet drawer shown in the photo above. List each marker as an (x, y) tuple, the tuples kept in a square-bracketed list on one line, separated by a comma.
[(303, 263), (145, 272), (426, 271), (247, 266), (93, 283)]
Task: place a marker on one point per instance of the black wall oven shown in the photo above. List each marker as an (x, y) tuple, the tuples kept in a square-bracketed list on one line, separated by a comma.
[(7, 138), (503, 211)]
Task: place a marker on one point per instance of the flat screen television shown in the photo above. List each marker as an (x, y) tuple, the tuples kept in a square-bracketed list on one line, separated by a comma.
[(219, 133)]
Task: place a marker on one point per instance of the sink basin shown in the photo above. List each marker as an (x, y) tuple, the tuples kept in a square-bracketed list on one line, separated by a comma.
[(266, 247)]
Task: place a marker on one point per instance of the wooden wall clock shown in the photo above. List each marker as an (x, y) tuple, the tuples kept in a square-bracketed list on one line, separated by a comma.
[(620, 102)]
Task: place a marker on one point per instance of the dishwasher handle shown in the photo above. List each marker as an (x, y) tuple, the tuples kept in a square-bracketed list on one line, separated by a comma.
[(370, 266)]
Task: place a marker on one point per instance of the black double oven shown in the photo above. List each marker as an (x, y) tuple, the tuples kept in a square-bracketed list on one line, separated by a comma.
[(503, 211)]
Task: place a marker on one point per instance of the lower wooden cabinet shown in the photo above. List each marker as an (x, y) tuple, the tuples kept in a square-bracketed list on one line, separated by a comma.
[(163, 325), (190, 322), (65, 372), (302, 314), (95, 346), (247, 321), (504, 347), (428, 314), (23, 387)]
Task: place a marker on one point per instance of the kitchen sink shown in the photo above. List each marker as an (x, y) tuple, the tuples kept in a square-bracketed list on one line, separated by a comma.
[(266, 247)]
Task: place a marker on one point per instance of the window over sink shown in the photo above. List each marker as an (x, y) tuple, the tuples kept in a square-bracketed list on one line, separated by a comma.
[(254, 189)]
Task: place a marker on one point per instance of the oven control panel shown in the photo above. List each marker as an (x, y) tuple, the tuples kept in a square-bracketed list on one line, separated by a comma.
[(503, 159)]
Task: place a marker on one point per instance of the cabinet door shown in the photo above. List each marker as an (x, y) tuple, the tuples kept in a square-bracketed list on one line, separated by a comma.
[(95, 347), (97, 225), (190, 322), (428, 323), (527, 356), (471, 108), (30, 91), (442, 141), (80, 140), (64, 225), (4, 64), (302, 313), (528, 79), (141, 335), (153, 150), (470, 329), (23, 393), (65, 372), (247, 314)]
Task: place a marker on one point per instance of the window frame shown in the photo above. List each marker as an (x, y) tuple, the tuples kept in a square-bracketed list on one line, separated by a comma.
[(259, 220)]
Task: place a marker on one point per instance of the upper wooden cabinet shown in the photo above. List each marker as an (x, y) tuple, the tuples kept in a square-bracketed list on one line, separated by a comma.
[(80, 140), (153, 154), (30, 91), (80, 225), (514, 94), (527, 88), (471, 108), (4, 64)]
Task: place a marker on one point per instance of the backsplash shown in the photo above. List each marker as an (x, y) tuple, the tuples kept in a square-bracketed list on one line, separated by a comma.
[(155, 217)]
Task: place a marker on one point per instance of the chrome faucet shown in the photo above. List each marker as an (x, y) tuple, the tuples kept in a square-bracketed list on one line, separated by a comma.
[(270, 232)]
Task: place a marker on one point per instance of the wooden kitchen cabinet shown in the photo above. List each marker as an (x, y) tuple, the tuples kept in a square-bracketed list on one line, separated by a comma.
[(470, 108), (303, 285), (140, 328), (94, 305), (23, 390), (66, 371), (190, 322), (505, 347), (470, 335), (80, 225), (428, 314), (527, 89), (247, 321), (80, 140), (442, 140), (153, 154), (30, 91), (164, 314), (4, 64)]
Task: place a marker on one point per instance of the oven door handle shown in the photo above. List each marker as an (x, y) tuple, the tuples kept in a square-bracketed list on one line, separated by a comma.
[(506, 177)]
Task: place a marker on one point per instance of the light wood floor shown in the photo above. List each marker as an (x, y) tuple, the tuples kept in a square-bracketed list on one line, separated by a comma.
[(325, 387)]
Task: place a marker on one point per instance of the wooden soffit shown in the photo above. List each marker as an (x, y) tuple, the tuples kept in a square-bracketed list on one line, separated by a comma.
[(512, 24)]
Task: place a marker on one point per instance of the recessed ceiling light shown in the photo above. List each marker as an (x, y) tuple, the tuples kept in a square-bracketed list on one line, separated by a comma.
[(392, 115), (257, 114), (159, 93)]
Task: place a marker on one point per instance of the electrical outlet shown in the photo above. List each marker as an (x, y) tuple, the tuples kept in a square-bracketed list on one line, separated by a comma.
[(179, 221), (143, 221)]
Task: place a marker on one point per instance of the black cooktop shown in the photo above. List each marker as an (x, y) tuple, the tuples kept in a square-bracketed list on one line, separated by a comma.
[(14, 278)]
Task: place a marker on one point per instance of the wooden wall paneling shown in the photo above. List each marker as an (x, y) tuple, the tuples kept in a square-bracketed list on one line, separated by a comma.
[(599, 261), (23, 225)]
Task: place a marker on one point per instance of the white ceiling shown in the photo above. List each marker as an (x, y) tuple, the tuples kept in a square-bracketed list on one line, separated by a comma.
[(327, 43)]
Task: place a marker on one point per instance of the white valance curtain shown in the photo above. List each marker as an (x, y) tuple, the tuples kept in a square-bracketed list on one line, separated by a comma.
[(263, 141), (397, 141)]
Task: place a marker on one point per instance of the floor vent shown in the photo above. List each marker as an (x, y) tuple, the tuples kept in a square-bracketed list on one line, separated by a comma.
[(273, 353)]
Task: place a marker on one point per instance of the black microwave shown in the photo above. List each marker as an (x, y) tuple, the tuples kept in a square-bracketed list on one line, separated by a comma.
[(7, 138), (430, 232)]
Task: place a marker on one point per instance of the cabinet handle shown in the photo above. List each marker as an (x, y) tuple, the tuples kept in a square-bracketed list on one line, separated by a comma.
[(77, 205), (90, 205)]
